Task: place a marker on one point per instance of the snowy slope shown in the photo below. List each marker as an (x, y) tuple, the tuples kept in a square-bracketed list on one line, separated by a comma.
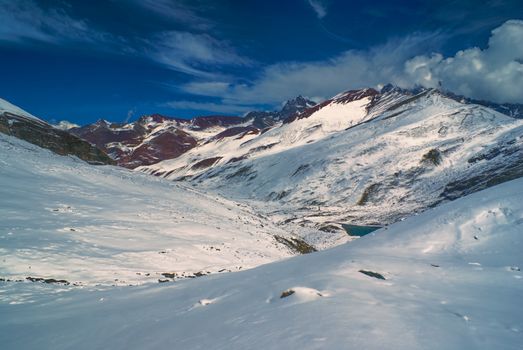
[(18, 123), (330, 119), (11, 108), (453, 281), (362, 157), (67, 220)]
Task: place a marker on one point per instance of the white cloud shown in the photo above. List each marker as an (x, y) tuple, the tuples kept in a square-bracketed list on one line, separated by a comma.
[(25, 22), (130, 114), (494, 73), (352, 69), (25, 19), (192, 53), (319, 8)]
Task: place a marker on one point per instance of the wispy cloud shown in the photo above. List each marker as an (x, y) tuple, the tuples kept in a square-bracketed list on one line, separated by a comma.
[(176, 11), (130, 114), (192, 53), (319, 8), (351, 69), (25, 20), (494, 73)]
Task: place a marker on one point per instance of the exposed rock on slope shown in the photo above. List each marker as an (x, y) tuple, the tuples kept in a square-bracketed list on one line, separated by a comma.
[(290, 109), (154, 138), (18, 123)]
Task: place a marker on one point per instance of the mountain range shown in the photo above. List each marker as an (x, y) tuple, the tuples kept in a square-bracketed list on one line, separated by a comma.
[(154, 138), (363, 156), (192, 241)]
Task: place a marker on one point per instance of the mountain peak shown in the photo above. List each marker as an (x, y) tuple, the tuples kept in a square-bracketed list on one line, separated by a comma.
[(102, 122), (157, 118), (66, 125), (296, 105)]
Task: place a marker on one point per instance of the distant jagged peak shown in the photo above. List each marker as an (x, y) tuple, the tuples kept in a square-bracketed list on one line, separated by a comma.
[(291, 108), (156, 118), (341, 98), (295, 106), (297, 103), (103, 122)]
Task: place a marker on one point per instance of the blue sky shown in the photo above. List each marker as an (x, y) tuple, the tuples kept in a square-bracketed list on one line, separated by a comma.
[(119, 59)]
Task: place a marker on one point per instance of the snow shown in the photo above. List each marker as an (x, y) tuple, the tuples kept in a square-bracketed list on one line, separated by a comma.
[(10, 108), (448, 278), (335, 117), (65, 219), (66, 125), (317, 168), (338, 116), (444, 289)]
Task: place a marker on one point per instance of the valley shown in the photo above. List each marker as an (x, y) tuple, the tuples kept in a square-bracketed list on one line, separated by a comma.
[(450, 277), (261, 175), (297, 230), (89, 225)]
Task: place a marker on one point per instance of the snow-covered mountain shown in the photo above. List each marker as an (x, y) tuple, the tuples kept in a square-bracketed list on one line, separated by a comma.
[(154, 138), (74, 236), (363, 156), (449, 278), (19, 123), (64, 219), (66, 125), (514, 110), (263, 119)]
